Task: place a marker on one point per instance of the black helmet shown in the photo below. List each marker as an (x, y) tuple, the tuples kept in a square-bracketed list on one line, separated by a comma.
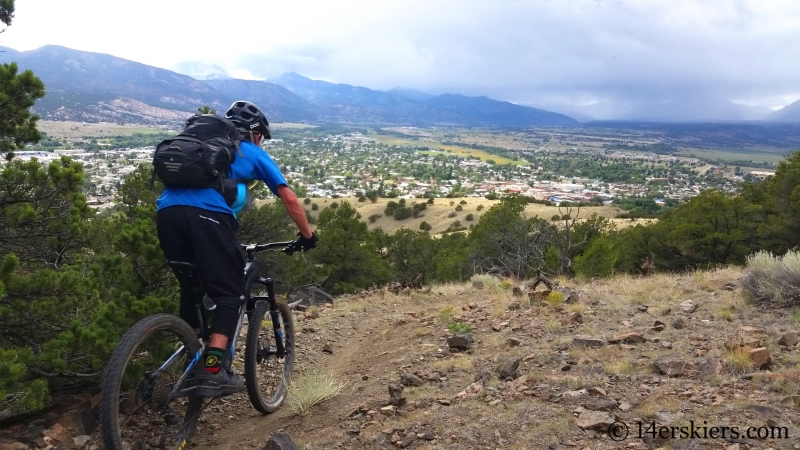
[(247, 117)]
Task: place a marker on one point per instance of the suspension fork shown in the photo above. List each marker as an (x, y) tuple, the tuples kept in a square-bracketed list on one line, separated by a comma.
[(275, 315)]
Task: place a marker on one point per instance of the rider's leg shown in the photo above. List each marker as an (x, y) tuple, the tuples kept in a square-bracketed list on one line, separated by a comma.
[(221, 262), (173, 235)]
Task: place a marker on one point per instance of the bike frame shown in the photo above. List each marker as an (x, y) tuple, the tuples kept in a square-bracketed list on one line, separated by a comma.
[(250, 273)]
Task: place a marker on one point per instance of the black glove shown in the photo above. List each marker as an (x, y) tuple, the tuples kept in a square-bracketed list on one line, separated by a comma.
[(302, 244)]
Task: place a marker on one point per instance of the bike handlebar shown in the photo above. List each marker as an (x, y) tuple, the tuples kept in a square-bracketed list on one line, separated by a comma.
[(285, 247)]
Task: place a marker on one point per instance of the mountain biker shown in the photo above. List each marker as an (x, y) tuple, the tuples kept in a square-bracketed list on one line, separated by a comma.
[(197, 225)]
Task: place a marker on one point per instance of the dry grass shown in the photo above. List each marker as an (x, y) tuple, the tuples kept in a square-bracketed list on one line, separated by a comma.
[(656, 404), (79, 129), (578, 308), (620, 367), (738, 361), (312, 388), (774, 281), (437, 214)]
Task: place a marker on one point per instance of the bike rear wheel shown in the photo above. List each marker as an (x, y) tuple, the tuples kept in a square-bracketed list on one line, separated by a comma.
[(268, 373), (135, 407)]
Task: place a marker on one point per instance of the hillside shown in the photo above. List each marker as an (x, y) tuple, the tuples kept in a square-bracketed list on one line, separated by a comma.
[(629, 349), (437, 215)]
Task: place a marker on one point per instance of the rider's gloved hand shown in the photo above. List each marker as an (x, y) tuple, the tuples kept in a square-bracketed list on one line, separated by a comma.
[(302, 243)]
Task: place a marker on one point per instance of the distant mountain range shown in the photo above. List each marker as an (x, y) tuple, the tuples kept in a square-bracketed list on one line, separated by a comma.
[(92, 87), (86, 86), (789, 113)]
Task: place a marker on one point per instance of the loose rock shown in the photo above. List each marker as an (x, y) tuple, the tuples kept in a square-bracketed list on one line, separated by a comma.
[(628, 338), (280, 441), (409, 379), (588, 341), (396, 395)]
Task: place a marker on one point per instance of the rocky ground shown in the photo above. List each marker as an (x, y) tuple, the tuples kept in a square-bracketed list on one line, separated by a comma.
[(670, 360)]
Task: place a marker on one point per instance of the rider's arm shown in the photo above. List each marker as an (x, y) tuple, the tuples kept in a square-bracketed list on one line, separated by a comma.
[(295, 209), (267, 171)]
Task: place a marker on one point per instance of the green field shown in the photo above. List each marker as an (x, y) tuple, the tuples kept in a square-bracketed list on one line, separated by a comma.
[(735, 155)]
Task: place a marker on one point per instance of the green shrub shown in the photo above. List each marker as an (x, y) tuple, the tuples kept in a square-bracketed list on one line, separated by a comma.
[(402, 213), (425, 226), (469, 217), (459, 327), (307, 201), (462, 202), (598, 260), (374, 217), (459, 208), (479, 208), (314, 206), (555, 299)]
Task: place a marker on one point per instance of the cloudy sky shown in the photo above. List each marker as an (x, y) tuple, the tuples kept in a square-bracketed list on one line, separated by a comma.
[(533, 52)]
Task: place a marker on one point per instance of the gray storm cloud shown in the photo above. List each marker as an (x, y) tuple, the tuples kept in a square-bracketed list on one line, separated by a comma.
[(564, 52)]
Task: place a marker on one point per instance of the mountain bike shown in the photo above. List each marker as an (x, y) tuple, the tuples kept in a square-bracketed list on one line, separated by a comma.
[(148, 397)]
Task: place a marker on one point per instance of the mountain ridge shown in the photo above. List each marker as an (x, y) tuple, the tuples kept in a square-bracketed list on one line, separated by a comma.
[(90, 86)]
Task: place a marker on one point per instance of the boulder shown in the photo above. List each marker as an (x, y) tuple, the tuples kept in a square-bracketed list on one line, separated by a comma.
[(760, 357), (675, 367), (788, 339), (594, 420), (509, 369), (461, 341), (79, 422)]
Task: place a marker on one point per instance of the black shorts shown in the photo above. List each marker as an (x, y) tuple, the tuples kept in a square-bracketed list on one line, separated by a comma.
[(207, 239)]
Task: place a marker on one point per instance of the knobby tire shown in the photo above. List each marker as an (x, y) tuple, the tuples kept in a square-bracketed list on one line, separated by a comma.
[(268, 402)]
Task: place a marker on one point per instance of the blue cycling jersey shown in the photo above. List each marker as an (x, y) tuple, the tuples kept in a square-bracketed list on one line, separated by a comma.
[(253, 164)]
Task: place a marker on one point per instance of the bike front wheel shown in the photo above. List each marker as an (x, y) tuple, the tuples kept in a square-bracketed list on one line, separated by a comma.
[(137, 408), (269, 355)]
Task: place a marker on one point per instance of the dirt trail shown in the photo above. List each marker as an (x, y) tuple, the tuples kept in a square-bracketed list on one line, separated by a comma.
[(362, 357)]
